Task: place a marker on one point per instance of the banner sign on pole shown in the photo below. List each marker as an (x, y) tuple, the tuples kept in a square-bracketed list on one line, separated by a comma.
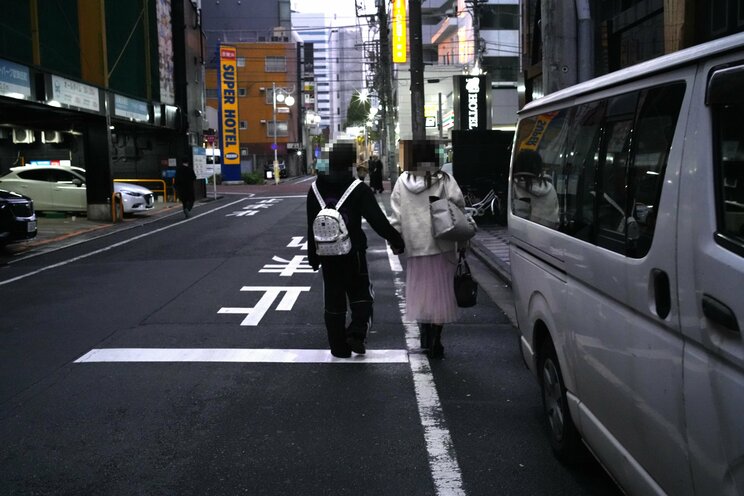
[(229, 106), (400, 40)]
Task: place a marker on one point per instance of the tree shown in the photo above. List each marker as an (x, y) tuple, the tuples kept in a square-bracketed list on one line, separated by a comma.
[(356, 114)]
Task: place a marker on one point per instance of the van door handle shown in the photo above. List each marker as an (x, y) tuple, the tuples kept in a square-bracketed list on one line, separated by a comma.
[(719, 312), (662, 293)]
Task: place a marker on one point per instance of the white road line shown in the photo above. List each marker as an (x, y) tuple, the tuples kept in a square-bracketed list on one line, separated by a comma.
[(236, 355), (115, 245), (442, 458), (277, 197)]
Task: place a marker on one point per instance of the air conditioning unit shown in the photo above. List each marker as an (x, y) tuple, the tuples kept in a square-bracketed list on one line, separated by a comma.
[(51, 137), (263, 121), (23, 136), (261, 89)]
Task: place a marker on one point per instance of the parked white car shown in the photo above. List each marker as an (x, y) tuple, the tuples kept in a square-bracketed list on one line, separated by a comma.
[(62, 188)]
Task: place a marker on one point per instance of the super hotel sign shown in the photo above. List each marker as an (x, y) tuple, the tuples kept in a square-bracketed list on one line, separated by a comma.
[(229, 106), (400, 41)]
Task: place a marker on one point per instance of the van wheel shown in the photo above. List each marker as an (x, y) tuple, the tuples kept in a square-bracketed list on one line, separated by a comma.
[(564, 438)]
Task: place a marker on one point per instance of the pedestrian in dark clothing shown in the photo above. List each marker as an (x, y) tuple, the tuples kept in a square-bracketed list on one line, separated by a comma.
[(185, 178), (375, 174), (345, 277)]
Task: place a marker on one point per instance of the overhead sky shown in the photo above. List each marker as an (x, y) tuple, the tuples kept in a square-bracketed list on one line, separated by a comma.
[(343, 8)]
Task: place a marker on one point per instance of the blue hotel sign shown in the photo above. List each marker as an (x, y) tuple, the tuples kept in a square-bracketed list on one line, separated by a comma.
[(15, 80)]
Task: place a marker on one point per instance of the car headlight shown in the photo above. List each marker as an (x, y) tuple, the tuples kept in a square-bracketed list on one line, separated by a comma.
[(130, 193)]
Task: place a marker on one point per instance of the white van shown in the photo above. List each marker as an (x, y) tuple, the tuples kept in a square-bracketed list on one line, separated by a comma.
[(627, 261)]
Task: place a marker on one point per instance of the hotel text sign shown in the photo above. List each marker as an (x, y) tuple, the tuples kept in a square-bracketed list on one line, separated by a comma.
[(229, 106)]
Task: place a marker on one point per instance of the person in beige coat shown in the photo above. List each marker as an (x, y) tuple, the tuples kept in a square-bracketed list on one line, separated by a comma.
[(430, 263)]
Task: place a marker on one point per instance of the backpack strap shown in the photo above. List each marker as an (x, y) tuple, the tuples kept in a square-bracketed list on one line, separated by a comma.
[(317, 195), (348, 191)]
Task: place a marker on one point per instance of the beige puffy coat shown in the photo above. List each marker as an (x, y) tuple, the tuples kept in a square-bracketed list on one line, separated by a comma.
[(411, 217)]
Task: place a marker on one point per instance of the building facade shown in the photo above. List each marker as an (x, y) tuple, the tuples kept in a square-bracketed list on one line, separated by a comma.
[(261, 68), (564, 43), (116, 90)]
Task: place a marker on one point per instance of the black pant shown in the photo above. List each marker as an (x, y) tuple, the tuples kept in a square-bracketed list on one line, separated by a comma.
[(346, 278)]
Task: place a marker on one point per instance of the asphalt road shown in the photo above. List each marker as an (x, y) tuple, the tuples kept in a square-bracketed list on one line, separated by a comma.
[(84, 409)]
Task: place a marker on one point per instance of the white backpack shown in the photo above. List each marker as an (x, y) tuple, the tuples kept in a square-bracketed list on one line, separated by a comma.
[(329, 229)]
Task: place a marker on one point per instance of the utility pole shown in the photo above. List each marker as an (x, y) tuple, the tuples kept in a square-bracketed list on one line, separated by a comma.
[(386, 94), (477, 48), (418, 122)]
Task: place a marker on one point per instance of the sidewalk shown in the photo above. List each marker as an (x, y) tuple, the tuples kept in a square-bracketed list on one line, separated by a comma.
[(57, 230), (491, 246)]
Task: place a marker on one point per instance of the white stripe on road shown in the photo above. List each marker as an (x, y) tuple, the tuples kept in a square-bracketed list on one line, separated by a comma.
[(116, 245), (442, 458), (236, 355)]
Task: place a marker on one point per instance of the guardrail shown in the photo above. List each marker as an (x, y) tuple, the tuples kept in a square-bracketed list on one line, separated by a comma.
[(164, 189)]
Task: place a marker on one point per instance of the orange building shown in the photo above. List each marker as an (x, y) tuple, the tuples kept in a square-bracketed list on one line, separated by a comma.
[(261, 66)]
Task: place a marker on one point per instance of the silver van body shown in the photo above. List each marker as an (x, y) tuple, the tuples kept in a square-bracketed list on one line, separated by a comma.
[(627, 259)]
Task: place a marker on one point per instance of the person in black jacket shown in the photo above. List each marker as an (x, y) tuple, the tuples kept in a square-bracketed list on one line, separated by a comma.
[(375, 174), (184, 180), (345, 277)]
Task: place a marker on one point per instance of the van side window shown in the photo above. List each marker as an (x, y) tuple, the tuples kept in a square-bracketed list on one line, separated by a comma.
[(580, 170), (614, 158), (730, 172), (595, 171), (653, 135), (538, 166)]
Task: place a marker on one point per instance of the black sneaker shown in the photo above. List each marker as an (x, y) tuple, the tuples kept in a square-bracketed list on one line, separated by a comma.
[(356, 345)]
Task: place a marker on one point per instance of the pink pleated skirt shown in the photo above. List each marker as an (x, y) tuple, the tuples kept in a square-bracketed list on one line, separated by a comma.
[(430, 294)]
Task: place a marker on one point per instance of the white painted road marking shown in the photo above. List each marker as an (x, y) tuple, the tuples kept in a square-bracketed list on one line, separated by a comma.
[(287, 268), (236, 355), (442, 458), (255, 314)]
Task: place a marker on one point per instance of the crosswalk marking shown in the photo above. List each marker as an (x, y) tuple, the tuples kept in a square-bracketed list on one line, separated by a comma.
[(237, 355)]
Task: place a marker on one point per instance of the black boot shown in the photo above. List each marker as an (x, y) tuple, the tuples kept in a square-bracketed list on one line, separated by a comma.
[(436, 350), (425, 336), (336, 328)]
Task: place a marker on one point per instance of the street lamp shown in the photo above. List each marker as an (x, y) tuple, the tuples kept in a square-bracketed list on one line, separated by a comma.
[(287, 99)]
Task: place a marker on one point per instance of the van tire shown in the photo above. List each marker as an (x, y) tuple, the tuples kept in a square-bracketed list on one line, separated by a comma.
[(564, 438)]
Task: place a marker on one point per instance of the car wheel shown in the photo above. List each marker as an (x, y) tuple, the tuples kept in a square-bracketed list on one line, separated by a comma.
[(564, 438)]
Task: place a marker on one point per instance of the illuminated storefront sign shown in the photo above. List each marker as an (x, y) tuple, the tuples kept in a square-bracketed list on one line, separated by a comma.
[(400, 41), (229, 106), (472, 102)]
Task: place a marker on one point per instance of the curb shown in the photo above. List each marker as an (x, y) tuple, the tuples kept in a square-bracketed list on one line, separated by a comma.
[(482, 253)]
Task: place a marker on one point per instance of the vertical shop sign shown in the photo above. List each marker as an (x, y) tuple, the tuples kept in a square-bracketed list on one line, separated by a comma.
[(165, 51), (472, 95), (400, 41), (229, 106)]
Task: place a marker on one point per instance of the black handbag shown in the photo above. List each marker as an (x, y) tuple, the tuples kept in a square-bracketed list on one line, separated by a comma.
[(466, 289)]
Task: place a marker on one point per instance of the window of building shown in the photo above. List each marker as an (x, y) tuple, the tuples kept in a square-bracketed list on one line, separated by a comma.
[(499, 17), (242, 92), (275, 64), (282, 129), (240, 61), (243, 124), (211, 93), (718, 16)]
